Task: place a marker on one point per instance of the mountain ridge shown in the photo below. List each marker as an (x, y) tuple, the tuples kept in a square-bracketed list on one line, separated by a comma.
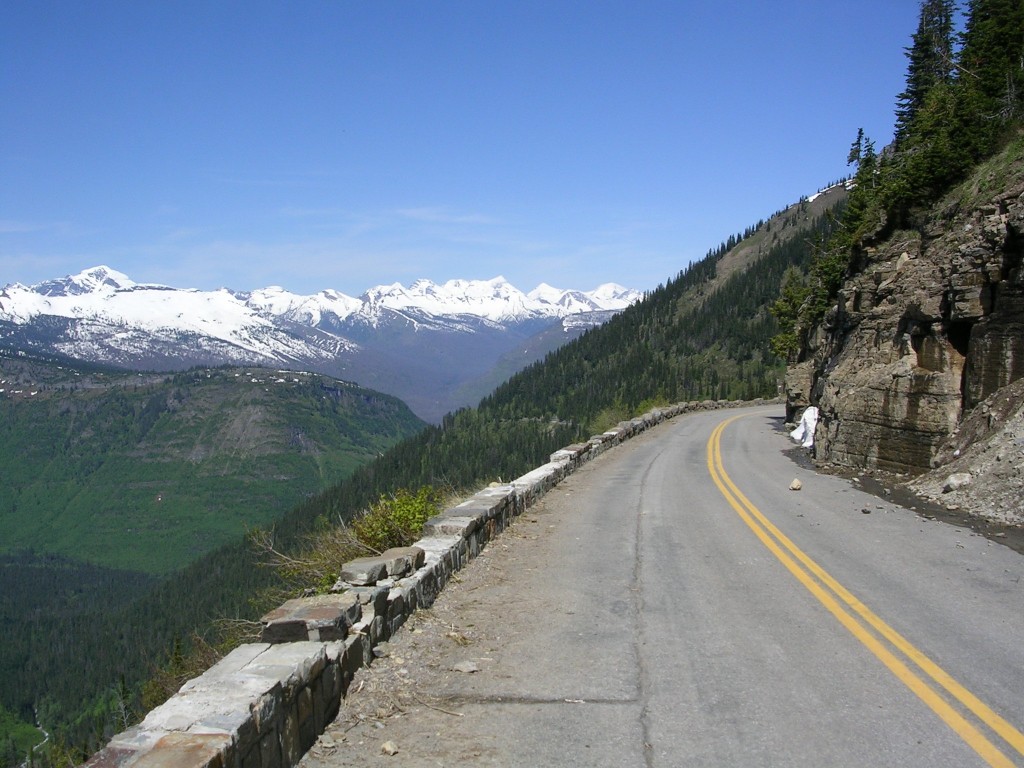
[(392, 338), (494, 299)]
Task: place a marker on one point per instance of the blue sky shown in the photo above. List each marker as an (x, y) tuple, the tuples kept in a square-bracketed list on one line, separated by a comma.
[(352, 143)]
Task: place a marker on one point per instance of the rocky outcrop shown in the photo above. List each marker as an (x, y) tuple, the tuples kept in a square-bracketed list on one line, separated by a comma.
[(981, 465), (931, 324)]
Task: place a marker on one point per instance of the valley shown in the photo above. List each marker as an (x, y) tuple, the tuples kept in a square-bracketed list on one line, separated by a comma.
[(148, 471), (112, 484)]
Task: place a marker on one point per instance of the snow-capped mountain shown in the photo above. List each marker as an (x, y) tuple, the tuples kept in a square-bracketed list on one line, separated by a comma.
[(423, 342)]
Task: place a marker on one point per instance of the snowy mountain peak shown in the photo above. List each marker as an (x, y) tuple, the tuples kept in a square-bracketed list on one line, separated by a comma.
[(614, 292), (95, 280), (105, 291), (392, 334), (545, 292)]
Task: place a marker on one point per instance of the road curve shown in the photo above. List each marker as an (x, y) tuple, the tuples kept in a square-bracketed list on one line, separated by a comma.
[(674, 603)]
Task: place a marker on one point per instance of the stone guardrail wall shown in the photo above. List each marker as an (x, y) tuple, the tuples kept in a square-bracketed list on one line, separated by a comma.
[(264, 704)]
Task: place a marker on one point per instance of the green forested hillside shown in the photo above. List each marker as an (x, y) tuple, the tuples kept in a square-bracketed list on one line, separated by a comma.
[(148, 472), (109, 481), (700, 336)]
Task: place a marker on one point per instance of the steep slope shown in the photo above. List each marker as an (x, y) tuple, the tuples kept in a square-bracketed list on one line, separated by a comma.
[(703, 335), (929, 324), (90, 460)]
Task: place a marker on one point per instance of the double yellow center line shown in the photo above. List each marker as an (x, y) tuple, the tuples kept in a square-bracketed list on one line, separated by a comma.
[(868, 628)]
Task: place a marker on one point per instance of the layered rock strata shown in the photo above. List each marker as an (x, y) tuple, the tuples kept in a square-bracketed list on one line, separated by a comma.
[(930, 325)]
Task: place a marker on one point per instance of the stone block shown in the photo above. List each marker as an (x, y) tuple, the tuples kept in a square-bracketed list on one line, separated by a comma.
[(307, 723), (317, 691), (410, 598), (110, 757), (137, 738), (321, 617), (450, 525), (428, 585), (375, 597), (265, 711), (360, 653), (187, 750), (563, 455), (437, 548), (333, 651), (218, 701), (239, 658), (270, 750), (305, 704), (537, 482), (396, 604), (402, 560), (291, 739), (363, 571), (479, 506), (292, 665), (237, 722), (378, 634), (252, 759)]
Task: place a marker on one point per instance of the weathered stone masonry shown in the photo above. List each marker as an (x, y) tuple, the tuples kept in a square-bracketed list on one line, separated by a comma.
[(265, 704)]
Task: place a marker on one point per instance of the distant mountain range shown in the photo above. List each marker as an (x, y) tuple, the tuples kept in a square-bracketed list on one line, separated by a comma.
[(438, 347)]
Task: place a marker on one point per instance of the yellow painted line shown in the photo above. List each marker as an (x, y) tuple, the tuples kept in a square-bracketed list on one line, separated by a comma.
[(930, 668), (765, 530)]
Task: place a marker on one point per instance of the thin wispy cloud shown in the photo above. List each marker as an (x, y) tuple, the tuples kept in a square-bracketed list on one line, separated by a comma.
[(13, 227), (295, 211), (438, 215)]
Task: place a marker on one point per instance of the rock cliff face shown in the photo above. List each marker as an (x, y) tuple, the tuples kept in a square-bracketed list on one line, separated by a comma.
[(929, 326)]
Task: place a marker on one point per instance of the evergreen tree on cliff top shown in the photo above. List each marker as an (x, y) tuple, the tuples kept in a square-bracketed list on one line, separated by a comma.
[(957, 106), (957, 109), (992, 65), (930, 61)]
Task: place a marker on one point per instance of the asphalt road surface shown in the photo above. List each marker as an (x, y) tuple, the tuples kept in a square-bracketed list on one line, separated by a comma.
[(674, 603)]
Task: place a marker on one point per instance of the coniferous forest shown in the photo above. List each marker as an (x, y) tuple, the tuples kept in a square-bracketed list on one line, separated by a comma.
[(720, 329)]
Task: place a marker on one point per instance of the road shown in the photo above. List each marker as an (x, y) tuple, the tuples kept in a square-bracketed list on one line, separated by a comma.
[(674, 603)]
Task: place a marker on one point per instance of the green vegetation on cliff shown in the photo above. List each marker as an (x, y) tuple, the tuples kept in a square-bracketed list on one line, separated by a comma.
[(963, 101)]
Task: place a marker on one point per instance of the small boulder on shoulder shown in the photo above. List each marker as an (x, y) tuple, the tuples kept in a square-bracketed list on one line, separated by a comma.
[(956, 481)]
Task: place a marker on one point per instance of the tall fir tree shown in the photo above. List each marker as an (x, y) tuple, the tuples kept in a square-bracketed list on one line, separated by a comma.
[(992, 66), (930, 61)]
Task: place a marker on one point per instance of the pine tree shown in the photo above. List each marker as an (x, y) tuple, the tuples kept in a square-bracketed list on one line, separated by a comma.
[(930, 61), (856, 149), (993, 49), (992, 66)]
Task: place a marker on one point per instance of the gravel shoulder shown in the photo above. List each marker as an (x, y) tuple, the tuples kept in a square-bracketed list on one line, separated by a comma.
[(423, 701)]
